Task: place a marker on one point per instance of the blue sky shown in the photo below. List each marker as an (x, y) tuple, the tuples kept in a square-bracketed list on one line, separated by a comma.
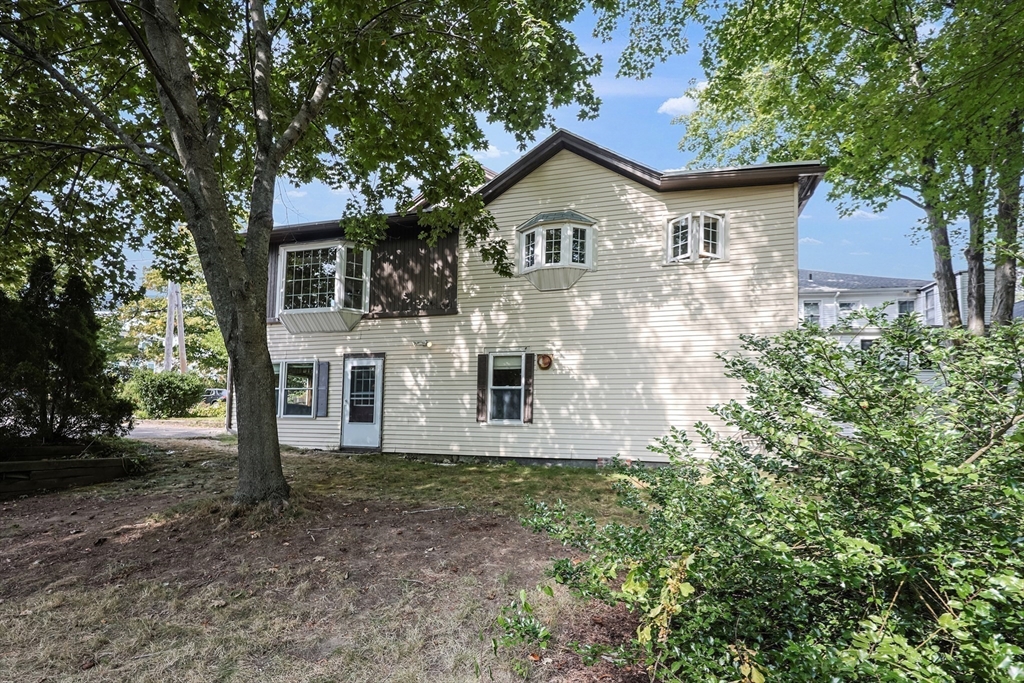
[(636, 121)]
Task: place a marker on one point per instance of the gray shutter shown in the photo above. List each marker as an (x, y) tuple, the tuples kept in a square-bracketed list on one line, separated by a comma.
[(272, 283), (322, 382), (531, 360), (481, 387)]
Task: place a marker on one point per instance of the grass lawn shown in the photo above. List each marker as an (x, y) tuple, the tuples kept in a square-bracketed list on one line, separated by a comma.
[(381, 569)]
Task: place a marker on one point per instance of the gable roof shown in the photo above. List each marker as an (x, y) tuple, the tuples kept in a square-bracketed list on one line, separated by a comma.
[(806, 173), (824, 281)]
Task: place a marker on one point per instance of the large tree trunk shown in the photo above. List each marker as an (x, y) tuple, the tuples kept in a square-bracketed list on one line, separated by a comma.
[(236, 278), (975, 254), (944, 276), (938, 228), (1008, 181)]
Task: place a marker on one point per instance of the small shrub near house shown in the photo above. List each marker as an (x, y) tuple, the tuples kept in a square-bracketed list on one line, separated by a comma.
[(166, 394), (870, 527)]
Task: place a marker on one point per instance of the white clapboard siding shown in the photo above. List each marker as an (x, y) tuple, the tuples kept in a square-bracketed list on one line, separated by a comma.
[(633, 342)]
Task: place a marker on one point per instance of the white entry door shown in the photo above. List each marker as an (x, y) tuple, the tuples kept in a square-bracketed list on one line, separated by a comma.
[(360, 424)]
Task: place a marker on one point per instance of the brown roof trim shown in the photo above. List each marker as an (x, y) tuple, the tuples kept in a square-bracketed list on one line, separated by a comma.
[(807, 173), (398, 226)]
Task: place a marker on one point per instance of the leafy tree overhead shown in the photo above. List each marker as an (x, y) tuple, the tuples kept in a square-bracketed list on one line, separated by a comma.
[(190, 112), (916, 100)]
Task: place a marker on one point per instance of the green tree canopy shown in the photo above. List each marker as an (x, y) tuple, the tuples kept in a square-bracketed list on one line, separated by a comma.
[(189, 112), (916, 99)]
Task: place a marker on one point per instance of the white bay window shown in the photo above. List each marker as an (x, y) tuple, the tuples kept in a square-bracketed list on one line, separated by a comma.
[(555, 249), (696, 236), (323, 286)]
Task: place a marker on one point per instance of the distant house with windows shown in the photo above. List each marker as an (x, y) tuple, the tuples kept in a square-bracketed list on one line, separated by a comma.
[(627, 282), (826, 298)]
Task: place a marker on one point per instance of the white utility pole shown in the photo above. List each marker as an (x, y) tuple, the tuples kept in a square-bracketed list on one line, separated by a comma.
[(175, 319)]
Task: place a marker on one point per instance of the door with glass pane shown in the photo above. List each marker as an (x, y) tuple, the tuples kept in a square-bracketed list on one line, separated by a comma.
[(361, 413)]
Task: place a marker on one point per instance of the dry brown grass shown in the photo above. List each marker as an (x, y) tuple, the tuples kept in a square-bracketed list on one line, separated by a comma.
[(354, 581)]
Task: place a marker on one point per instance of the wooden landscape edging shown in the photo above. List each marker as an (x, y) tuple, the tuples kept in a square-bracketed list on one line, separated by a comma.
[(18, 478)]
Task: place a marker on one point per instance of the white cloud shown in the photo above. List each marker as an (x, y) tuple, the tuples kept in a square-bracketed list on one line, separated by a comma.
[(861, 215), (686, 104), (296, 194), (491, 152), (810, 240)]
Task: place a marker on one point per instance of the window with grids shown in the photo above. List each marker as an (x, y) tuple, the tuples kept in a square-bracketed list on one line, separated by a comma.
[(699, 235), (679, 239), (506, 388), (554, 246), (905, 307), (529, 250), (362, 393), (324, 276), (310, 278)]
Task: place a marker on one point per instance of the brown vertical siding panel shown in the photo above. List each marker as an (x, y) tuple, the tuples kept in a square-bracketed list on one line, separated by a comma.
[(408, 277)]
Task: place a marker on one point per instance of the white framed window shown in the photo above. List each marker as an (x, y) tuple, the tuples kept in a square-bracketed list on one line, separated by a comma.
[(930, 315), (905, 307), (324, 275), (812, 312), (295, 391), (558, 239), (701, 235), (848, 309), (506, 375), (566, 245)]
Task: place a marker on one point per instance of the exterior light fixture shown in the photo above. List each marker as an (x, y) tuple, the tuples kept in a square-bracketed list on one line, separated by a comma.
[(424, 344)]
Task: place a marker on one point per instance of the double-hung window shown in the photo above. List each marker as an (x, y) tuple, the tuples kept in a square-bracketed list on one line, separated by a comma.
[(905, 307), (847, 309), (324, 276), (505, 388), (812, 312), (294, 388), (696, 236)]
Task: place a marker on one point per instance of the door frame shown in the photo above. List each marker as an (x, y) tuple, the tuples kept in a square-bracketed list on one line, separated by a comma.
[(344, 380)]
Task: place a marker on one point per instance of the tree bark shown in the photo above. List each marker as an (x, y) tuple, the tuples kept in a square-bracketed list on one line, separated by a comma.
[(1008, 181), (949, 303), (975, 254), (237, 278), (938, 228)]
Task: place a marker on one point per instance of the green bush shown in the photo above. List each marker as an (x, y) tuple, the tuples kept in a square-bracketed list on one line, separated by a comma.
[(868, 525), (54, 385), (167, 394)]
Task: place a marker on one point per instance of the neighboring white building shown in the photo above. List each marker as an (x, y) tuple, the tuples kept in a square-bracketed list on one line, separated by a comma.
[(628, 282), (827, 298)]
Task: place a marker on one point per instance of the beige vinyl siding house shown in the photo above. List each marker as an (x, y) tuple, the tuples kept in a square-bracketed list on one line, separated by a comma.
[(632, 341)]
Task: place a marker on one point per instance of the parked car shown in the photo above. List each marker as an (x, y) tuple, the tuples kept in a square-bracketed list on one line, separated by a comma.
[(211, 396)]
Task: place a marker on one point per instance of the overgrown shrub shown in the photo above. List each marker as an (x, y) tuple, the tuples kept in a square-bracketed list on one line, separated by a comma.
[(868, 527), (167, 394), (54, 384)]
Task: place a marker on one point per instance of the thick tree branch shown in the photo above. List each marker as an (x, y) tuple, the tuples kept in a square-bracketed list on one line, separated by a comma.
[(310, 109), (102, 117), (147, 56)]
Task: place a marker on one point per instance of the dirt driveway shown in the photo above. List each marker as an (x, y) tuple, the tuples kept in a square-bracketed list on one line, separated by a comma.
[(378, 571)]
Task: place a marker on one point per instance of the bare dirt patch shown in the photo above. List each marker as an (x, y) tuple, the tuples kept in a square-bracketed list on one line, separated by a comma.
[(381, 570)]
